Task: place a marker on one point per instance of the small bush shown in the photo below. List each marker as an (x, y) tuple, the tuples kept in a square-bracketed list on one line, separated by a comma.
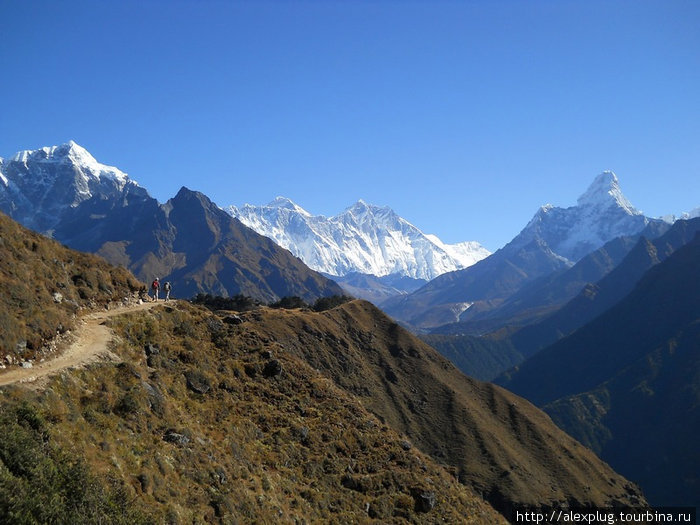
[(326, 303), (290, 302), (39, 483), (239, 303)]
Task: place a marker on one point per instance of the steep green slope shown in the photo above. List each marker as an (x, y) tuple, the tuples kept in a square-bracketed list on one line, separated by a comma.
[(482, 358)]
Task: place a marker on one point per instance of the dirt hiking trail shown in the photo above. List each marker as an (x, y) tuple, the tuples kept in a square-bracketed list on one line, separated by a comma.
[(89, 346)]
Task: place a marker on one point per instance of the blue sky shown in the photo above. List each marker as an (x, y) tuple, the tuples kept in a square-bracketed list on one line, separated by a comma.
[(462, 116)]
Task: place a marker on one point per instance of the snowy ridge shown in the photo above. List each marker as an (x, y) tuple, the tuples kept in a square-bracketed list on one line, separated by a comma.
[(3, 179), (692, 214), (75, 155), (364, 238)]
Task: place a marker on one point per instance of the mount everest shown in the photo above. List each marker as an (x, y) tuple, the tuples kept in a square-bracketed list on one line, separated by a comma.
[(363, 239)]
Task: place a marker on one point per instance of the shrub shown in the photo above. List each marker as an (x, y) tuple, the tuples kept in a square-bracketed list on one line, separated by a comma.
[(289, 303), (326, 303), (39, 483), (239, 303)]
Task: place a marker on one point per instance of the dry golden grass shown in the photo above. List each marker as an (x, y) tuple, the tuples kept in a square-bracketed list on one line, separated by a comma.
[(43, 285), (203, 429), (500, 444)]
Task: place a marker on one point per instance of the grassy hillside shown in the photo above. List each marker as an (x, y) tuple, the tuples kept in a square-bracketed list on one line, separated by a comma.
[(268, 416), (198, 423), (43, 285), (482, 358), (498, 443), (207, 421), (40, 482)]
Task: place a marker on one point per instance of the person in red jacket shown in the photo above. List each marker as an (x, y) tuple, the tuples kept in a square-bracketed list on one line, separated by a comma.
[(155, 286)]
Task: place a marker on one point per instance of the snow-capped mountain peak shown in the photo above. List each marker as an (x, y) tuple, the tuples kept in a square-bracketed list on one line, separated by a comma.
[(75, 155), (601, 214), (605, 191), (38, 184), (284, 203), (363, 238), (365, 212)]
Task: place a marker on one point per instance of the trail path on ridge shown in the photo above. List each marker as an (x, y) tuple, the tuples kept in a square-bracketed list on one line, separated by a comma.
[(90, 345)]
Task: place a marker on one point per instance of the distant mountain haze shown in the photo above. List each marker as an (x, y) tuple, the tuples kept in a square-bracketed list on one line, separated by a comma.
[(626, 383), (597, 296), (542, 297)]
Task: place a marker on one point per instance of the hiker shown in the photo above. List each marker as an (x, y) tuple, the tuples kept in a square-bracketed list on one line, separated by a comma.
[(155, 287), (166, 288)]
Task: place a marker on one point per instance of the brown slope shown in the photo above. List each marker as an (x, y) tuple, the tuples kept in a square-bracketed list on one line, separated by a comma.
[(194, 429), (43, 285), (503, 446)]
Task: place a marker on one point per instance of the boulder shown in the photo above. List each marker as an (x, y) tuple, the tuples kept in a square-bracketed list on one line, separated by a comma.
[(197, 381), (272, 368)]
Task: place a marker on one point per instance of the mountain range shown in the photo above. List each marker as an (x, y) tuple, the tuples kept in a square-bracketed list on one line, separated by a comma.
[(598, 295), (591, 311), (370, 250), (553, 241), (65, 193), (267, 415), (627, 383)]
